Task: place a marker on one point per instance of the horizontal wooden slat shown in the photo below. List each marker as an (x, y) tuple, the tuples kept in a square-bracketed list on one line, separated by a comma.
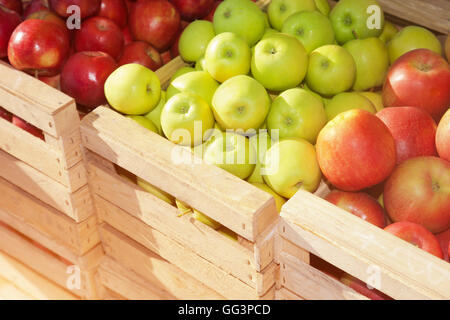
[(166, 72), (236, 204), (359, 248), (286, 294)]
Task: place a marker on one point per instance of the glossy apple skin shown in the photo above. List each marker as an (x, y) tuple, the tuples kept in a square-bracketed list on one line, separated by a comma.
[(193, 9), (444, 241), (419, 78), (355, 150), (14, 5), (34, 6), (361, 287), (87, 7), (51, 17), (413, 129), (210, 15), (9, 20), (417, 235), (115, 10), (54, 81), (27, 127), (443, 137), (100, 34), (37, 47), (127, 37), (84, 76), (419, 191), (5, 114), (142, 53), (166, 56), (359, 204), (156, 22)]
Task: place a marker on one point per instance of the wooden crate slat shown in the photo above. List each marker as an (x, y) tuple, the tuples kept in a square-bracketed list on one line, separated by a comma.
[(239, 206), (69, 145), (159, 272), (286, 294), (356, 247), (166, 72)]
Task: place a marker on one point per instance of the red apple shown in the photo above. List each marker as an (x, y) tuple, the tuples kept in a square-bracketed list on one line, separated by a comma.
[(362, 288), (443, 137), (127, 37), (174, 52), (419, 191), (9, 20), (54, 81), (34, 6), (51, 17), (27, 127), (166, 56), (444, 241), (193, 9), (413, 129), (87, 7), (100, 34), (38, 47), (355, 150), (5, 114), (84, 76), (115, 10), (419, 78), (142, 53), (15, 5), (359, 204), (417, 235), (210, 15), (156, 22)]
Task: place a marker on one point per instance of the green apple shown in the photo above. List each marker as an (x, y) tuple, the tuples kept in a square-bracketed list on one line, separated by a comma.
[(200, 64), (203, 218), (375, 97), (155, 114), (268, 32), (290, 165), (346, 101), (323, 6), (241, 103), (133, 89), (312, 28), (155, 191), (145, 122), (231, 152), (280, 10), (331, 70), (227, 55), (185, 119), (381, 200), (261, 143), (266, 20), (171, 91), (410, 38), (279, 62), (279, 200), (389, 32), (296, 113), (356, 19), (372, 62), (197, 82), (228, 233), (242, 17), (194, 39)]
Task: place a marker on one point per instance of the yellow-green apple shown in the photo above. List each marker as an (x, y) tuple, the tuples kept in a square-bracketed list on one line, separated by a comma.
[(9, 20), (268, 32), (242, 17), (443, 137), (171, 91), (372, 62), (261, 142), (231, 152), (196, 82), (38, 47), (200, 64), (186, 118), (155, 191), (183, 207), (420, 78), (230, 234), (389, 32), (311, 28), (241, 103), (375, 97), (331, 70), (194, 40), (290, 165), (347, 101), (203, 218), (155, 114), (355, 150), (419, 191), (280, 10), (413, 130), (444, 241), (227, 55), (279, 62), (417, 235), (297, 113), (357, 19), (266, 20), (323, 6), (133, 89), (279, 200), (144, 122), (411, 38), (359, 204)]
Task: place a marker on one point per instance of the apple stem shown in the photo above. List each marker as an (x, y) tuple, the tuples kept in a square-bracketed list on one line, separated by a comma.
[(355, 34)]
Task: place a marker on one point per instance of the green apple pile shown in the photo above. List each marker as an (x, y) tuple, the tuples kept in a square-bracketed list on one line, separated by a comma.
[(263, 86)]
